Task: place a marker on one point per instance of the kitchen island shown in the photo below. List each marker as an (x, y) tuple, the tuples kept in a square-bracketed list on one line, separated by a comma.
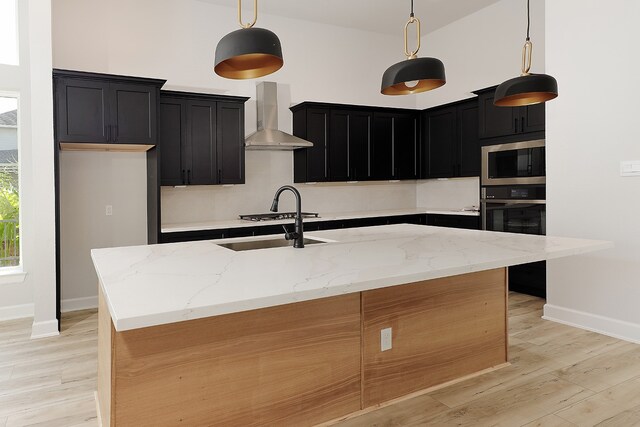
[(199, 334)]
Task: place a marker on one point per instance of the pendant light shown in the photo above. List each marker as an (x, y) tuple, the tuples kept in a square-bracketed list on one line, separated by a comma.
[(249, 52), (414, 74), (528, 88)]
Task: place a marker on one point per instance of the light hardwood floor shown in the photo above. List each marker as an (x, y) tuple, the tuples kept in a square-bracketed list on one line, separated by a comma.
[(559, 376)]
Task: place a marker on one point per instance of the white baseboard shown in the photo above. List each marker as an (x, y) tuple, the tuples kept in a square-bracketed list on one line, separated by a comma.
[(48, 328), (75, 304), (593, 322), (16, 311)]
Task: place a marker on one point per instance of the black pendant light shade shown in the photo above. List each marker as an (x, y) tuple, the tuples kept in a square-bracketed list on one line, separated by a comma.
[(248, 53), (413, 76), (526, 90)]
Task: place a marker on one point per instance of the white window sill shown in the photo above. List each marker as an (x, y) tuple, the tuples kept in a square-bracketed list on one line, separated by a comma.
[(12, 275)]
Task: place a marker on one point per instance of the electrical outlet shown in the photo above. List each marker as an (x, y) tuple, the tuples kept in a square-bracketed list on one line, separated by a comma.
[(109, 210), (385, 339)]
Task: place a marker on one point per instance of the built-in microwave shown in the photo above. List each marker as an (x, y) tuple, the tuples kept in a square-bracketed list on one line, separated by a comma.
[(518, 163)]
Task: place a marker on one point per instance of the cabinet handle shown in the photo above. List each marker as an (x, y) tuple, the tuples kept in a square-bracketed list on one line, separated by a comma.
[(115, 133), (522, 125), (219, 176), (188, 176), (107, 129), (182, 177), (516, 125)]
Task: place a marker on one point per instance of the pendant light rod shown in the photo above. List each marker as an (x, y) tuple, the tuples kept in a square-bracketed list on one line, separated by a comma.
[(255, 14), (528, 88)]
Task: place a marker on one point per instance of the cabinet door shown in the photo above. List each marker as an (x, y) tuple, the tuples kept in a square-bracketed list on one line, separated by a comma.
[(82, 111), (497, 121), (405, 147), (382, 147), (133, 113), (173, 135), (469, 143), (533, 118), (201, 143), (317, 128), (360, 124), (442, 138), (339, 141), (230, 143)]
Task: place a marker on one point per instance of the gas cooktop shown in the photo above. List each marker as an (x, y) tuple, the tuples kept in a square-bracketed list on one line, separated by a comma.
[(273, 216)]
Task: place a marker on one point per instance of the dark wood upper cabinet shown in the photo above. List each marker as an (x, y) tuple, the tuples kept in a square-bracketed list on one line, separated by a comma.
[(231, 142), (202, 139), (101, 108), (173, 134), (499, 122), (382, 147), (468, 139), (451, 139), (405, 146), (339, 141), (355, 143), (360, 132), (440, 140), (133, 113)]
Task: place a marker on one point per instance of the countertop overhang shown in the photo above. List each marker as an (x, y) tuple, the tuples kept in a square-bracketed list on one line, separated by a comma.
[(159, 284)]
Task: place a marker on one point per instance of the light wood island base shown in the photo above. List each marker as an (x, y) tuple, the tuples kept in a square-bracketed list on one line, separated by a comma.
[(304, 363)]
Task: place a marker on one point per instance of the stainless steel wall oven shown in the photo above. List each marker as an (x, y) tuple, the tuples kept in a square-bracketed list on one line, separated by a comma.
[(513, 200)]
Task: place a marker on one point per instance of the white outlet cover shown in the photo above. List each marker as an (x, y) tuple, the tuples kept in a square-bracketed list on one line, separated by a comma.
[(630, 168), (385, 339), (108, 210)]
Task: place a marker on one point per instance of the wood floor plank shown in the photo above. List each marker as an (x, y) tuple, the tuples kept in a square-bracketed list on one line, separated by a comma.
[(515, 406), (550, 420), (604, 370), (525, 365), (72, 413), (605, 406)]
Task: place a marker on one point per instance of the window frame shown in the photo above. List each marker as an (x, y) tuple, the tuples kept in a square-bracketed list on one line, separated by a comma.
[(16, 274)]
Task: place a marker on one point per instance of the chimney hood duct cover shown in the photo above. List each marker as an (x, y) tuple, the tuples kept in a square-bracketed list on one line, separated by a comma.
[(268, 137)]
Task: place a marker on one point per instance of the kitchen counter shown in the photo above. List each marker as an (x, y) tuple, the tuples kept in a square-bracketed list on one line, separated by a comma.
[(331, 216), (197, 334), (159, 284)]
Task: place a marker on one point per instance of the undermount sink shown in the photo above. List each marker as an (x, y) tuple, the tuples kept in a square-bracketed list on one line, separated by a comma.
[(266, 244)]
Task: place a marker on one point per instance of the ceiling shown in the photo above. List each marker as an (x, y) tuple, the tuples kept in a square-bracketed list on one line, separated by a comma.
[(381, 16)]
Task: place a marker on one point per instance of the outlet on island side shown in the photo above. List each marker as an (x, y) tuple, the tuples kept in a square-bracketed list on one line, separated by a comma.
[(108, 210), (385, 339)]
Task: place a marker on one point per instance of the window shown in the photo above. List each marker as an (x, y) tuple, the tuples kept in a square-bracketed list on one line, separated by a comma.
[(9, 183), (8, 32)]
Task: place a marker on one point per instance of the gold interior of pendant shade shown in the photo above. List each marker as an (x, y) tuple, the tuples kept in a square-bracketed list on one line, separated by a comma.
[(527, 98), (249, 66), (422, 86)]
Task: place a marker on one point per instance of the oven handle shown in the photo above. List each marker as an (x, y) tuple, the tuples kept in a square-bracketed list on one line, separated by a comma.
[(513, 201)]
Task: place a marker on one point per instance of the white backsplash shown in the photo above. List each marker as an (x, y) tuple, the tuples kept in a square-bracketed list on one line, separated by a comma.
[(455, 193), (265, 172)]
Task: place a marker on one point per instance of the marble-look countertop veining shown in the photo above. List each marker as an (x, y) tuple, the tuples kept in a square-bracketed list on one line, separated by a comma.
[(330, 216), (158, 284)]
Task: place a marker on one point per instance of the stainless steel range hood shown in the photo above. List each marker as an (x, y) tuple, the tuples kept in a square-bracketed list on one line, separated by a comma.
[(268, 137)]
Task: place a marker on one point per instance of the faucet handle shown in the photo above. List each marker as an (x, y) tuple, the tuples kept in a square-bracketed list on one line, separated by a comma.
[(288, 235)]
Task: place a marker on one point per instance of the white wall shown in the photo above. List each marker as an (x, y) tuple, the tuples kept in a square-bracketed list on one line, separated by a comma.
[(90, 181), (483, 49), (591, 127), (31, 80)]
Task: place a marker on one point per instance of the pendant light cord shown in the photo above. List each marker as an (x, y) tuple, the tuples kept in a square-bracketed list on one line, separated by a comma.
[(528, 18), (411, 15)]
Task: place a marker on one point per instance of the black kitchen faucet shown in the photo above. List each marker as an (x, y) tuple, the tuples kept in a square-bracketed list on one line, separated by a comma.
[(297, 235)]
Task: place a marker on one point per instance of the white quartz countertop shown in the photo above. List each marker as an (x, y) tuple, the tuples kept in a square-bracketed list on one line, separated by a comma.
[(158, 284), (331, 216)]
